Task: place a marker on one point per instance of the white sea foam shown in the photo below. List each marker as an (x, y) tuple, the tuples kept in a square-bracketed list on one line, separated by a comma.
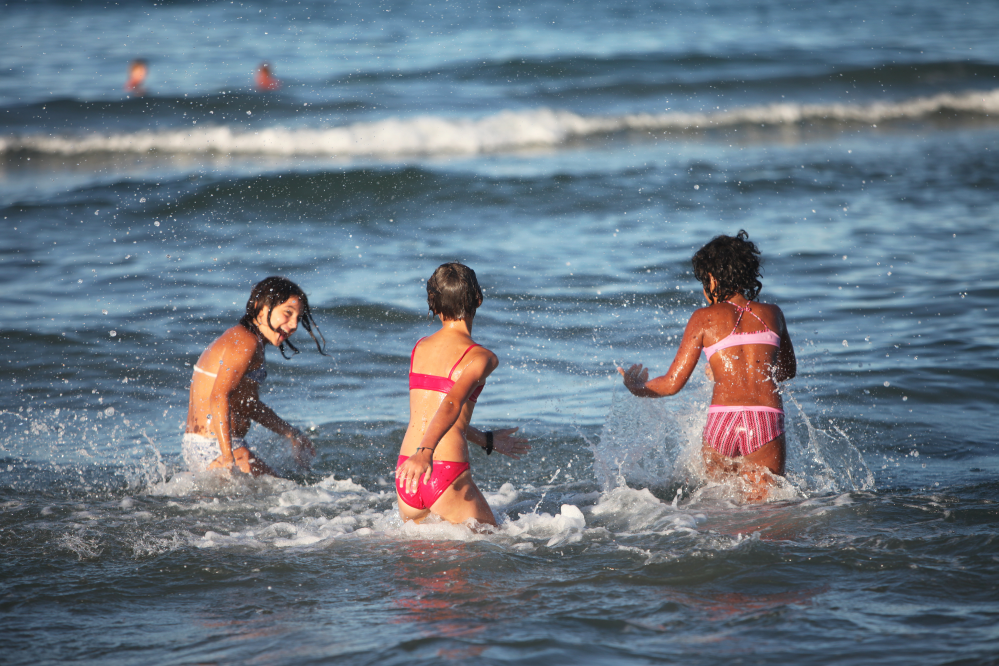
[(505, 131)]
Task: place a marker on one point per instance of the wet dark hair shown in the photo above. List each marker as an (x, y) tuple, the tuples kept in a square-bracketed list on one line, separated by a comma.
[(272, 292), (453, 292), (734, 262)]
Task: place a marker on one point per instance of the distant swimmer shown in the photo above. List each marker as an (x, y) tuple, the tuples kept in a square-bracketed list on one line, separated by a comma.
[(225, 386), (266, 81), (447, 371), (749, 351), (138, 70)]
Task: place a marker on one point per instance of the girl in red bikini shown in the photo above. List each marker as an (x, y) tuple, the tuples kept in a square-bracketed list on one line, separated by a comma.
[(748, 350), (447, 371)]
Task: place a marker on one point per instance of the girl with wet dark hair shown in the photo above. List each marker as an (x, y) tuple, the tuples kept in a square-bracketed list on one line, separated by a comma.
[(749, 351), (225, 399), (447, 371)]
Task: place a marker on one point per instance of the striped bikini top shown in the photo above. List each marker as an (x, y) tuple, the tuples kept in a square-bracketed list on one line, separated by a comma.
[(734, 339), (436, 382), (259, 375)]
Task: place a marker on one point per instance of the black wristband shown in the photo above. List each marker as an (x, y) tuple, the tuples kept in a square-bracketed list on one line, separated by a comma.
[(489, 442)]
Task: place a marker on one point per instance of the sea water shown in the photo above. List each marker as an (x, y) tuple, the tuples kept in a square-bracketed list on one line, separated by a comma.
[(575, 155)]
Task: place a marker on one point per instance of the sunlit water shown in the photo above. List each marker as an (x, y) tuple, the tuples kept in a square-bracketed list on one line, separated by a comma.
[(575, 156)]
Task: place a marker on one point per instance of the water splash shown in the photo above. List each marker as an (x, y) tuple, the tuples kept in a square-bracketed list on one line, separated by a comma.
[(657, 444)]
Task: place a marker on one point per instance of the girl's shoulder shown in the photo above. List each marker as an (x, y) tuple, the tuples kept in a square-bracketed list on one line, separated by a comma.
[(474, 350), (238, 340), (770, 313), (772, 308), (725, 315)]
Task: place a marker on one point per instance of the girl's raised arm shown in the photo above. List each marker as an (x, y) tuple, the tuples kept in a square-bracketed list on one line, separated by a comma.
[(636, 378)]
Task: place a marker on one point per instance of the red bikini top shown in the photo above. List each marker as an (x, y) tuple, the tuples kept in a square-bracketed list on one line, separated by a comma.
[(436, 382)]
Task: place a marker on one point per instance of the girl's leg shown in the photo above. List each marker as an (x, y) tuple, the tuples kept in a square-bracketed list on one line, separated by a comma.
[(407, 512), (760, 467), (717, 465), (756, 469), (771, 455), (463, 500)]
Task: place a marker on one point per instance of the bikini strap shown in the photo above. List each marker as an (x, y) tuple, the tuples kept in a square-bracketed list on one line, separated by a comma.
[(738, 319), (459, 360), (413, 353), (743, 310)]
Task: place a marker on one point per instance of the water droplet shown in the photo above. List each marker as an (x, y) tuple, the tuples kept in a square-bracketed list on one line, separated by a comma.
[(887, 383), (114, 333), (846, 344), (109, 411), (156, 223), (142, 200), (697, 187)]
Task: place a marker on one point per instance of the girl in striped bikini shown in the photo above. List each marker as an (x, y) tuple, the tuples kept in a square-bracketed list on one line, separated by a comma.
[(748, 350), (225, 386)]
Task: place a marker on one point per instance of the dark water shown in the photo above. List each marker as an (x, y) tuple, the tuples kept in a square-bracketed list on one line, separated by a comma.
[(575, 155)]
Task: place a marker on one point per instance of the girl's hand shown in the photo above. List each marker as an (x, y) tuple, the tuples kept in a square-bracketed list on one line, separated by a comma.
[(635, 378), (222, 463), (302, 448), (504, 442), (241, 459), (420, 464)]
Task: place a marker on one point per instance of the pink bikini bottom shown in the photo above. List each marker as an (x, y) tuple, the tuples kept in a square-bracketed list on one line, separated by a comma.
[(443, 475), (734, 431)]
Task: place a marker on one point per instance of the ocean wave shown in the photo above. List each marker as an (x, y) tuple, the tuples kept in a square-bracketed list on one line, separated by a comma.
[(502, 132)]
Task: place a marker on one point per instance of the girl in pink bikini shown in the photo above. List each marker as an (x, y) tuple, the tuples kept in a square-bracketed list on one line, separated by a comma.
[(447, 371), (748, 350)]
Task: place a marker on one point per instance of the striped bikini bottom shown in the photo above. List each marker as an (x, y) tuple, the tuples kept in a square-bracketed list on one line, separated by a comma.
[(734, 431)]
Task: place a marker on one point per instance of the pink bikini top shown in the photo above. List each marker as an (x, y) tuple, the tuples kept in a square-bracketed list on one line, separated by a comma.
[(436, 382), (734, 339)]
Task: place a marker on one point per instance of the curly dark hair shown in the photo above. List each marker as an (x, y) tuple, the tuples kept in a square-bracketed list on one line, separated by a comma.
[(734, 263), (272, 292), (453, 292)]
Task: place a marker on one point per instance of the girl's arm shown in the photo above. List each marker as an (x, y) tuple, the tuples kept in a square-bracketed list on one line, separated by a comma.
[(786, 365), (420, 463), (636, 378), (236, 356), (301, 445), (503, 441), (269, 419)]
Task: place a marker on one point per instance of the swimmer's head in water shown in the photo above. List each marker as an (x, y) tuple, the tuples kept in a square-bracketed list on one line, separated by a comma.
[(453, 292), (734, 263), (137, 71), (272, 292)]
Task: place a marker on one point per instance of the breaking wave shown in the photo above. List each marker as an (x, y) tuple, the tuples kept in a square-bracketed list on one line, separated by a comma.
[(502, 132)]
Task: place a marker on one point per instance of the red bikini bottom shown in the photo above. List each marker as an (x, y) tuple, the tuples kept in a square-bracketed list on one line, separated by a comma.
[(443, 475)]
